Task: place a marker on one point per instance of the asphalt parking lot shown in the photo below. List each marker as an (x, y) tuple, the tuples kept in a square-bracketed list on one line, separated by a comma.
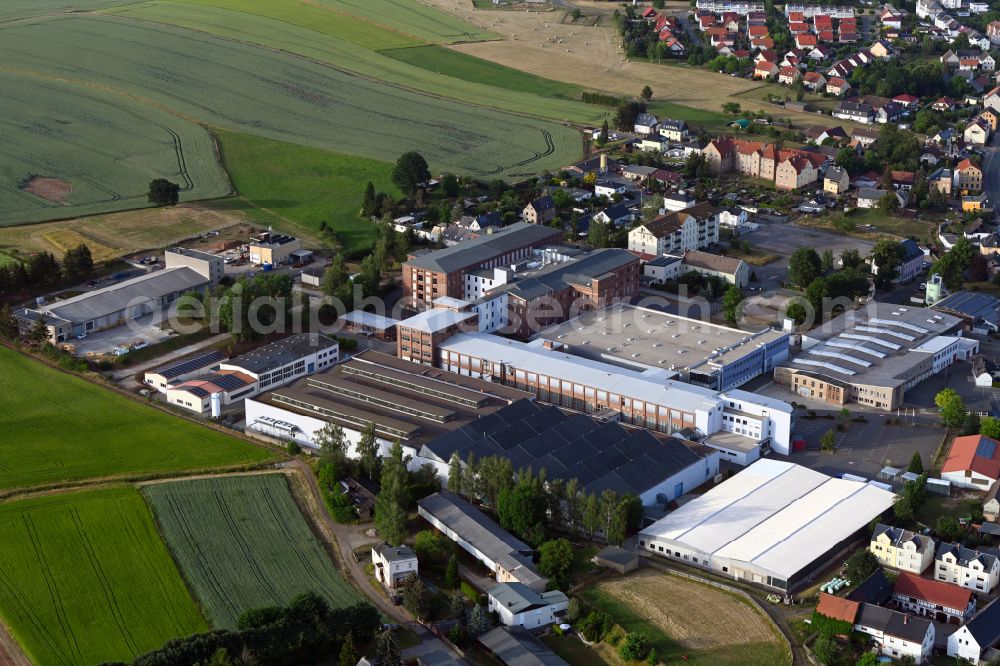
[(784, 239), (865, 448)]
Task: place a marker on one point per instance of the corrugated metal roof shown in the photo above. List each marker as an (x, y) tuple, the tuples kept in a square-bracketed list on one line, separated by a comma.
[(117, 297)]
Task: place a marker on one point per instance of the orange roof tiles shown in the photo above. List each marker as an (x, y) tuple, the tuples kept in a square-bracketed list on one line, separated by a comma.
[(936, 592), (837, 608), (966, 452)]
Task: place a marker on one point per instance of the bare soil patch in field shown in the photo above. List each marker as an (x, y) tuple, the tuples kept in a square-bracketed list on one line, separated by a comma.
[(50, 189), (695, 615), (118, 234), (549, 44)]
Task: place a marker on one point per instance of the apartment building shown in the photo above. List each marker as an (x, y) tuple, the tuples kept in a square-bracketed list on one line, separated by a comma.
[(692, 228), (431, 274), (901, 549), (787, 168), (955, 564), (968, 177)]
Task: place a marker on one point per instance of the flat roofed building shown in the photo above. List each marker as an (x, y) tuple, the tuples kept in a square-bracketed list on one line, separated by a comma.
[(209, 265), (183, 369), (281, 361), (874, 355), (430, 274), (405, 401), (600, 456), (274, 249), (369, 323), (507, 556), (772, 524), (419, 336), (700, 352), (650, 398)]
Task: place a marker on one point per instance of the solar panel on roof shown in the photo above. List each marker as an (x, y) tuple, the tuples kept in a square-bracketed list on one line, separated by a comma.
[(228, 382), (986, 448), (191, 364)]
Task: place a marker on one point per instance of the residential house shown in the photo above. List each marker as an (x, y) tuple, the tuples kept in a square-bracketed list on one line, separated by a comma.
[(971, 569), (838, 608), (645, 123), (732, 270), (943, 104), (818, 134), (806, 40), (606, 187), (976, 133), (864, 136), (858, 112), (912, 263), (836, 180), (897, 634), (653, 143), (675, 201), (901, 549), (881, 49), (981, 633), (941, 179), (991, 117), (870, 198), (907, 101), (765, 70), (819, 52), (662, 269), (975, 203), (888, 113), (796, 171), (393, 564), (617, 215), (814, 81), (674, 130), (789, 75), (973, 462), (520, 606), (676, 232), (836, 85), (969, 177), (941, 602), (540, 211)]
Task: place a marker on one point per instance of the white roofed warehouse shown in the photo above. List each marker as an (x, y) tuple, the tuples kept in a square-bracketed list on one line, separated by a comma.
[(773, 524)]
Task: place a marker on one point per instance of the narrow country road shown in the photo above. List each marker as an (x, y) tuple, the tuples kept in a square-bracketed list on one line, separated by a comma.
[(991, 170), (341, 534)]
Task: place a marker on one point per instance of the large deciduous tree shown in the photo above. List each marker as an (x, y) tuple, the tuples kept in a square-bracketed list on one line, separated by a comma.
[(410, 171), (162, 192)]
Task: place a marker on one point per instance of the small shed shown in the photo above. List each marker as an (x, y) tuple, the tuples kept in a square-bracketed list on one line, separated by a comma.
[(301, 257), (890, 473), (617, 559), (313, 276), (939, 486)]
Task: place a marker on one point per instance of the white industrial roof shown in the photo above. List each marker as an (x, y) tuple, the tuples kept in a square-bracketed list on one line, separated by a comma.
[(364, 318), (438, 319), (936, 344), (775, 515), (650, 386)]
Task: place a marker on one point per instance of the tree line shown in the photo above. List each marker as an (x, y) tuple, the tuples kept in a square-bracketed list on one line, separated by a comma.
[(44, 270)]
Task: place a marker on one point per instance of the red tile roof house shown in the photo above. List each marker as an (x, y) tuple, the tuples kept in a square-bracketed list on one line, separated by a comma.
[(798, 28), (973, 462), (942, 602), (806, 40), (789, 75), (837, 86), (906, 100), (814, 80), (838, 608), (764, 69), (762, 43), (757, 31), (796, 17)]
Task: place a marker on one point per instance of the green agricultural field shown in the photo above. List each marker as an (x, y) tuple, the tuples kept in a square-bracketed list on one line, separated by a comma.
[(242, 543), (440, 60), (314, 43), (15, 9), (295, 188), (85, 578), (320, 18), (413, 17), (70, 150), (57, 427), (239, 87)]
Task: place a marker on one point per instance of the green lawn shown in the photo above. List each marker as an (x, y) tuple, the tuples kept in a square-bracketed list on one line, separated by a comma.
[(85, 578), (470, 68), (711, 121), (294, 188), (243, 543), (58, 427), (572, 650), (415, 18)]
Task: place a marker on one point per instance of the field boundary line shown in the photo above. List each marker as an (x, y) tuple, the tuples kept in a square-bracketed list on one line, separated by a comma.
[(348, 72)]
